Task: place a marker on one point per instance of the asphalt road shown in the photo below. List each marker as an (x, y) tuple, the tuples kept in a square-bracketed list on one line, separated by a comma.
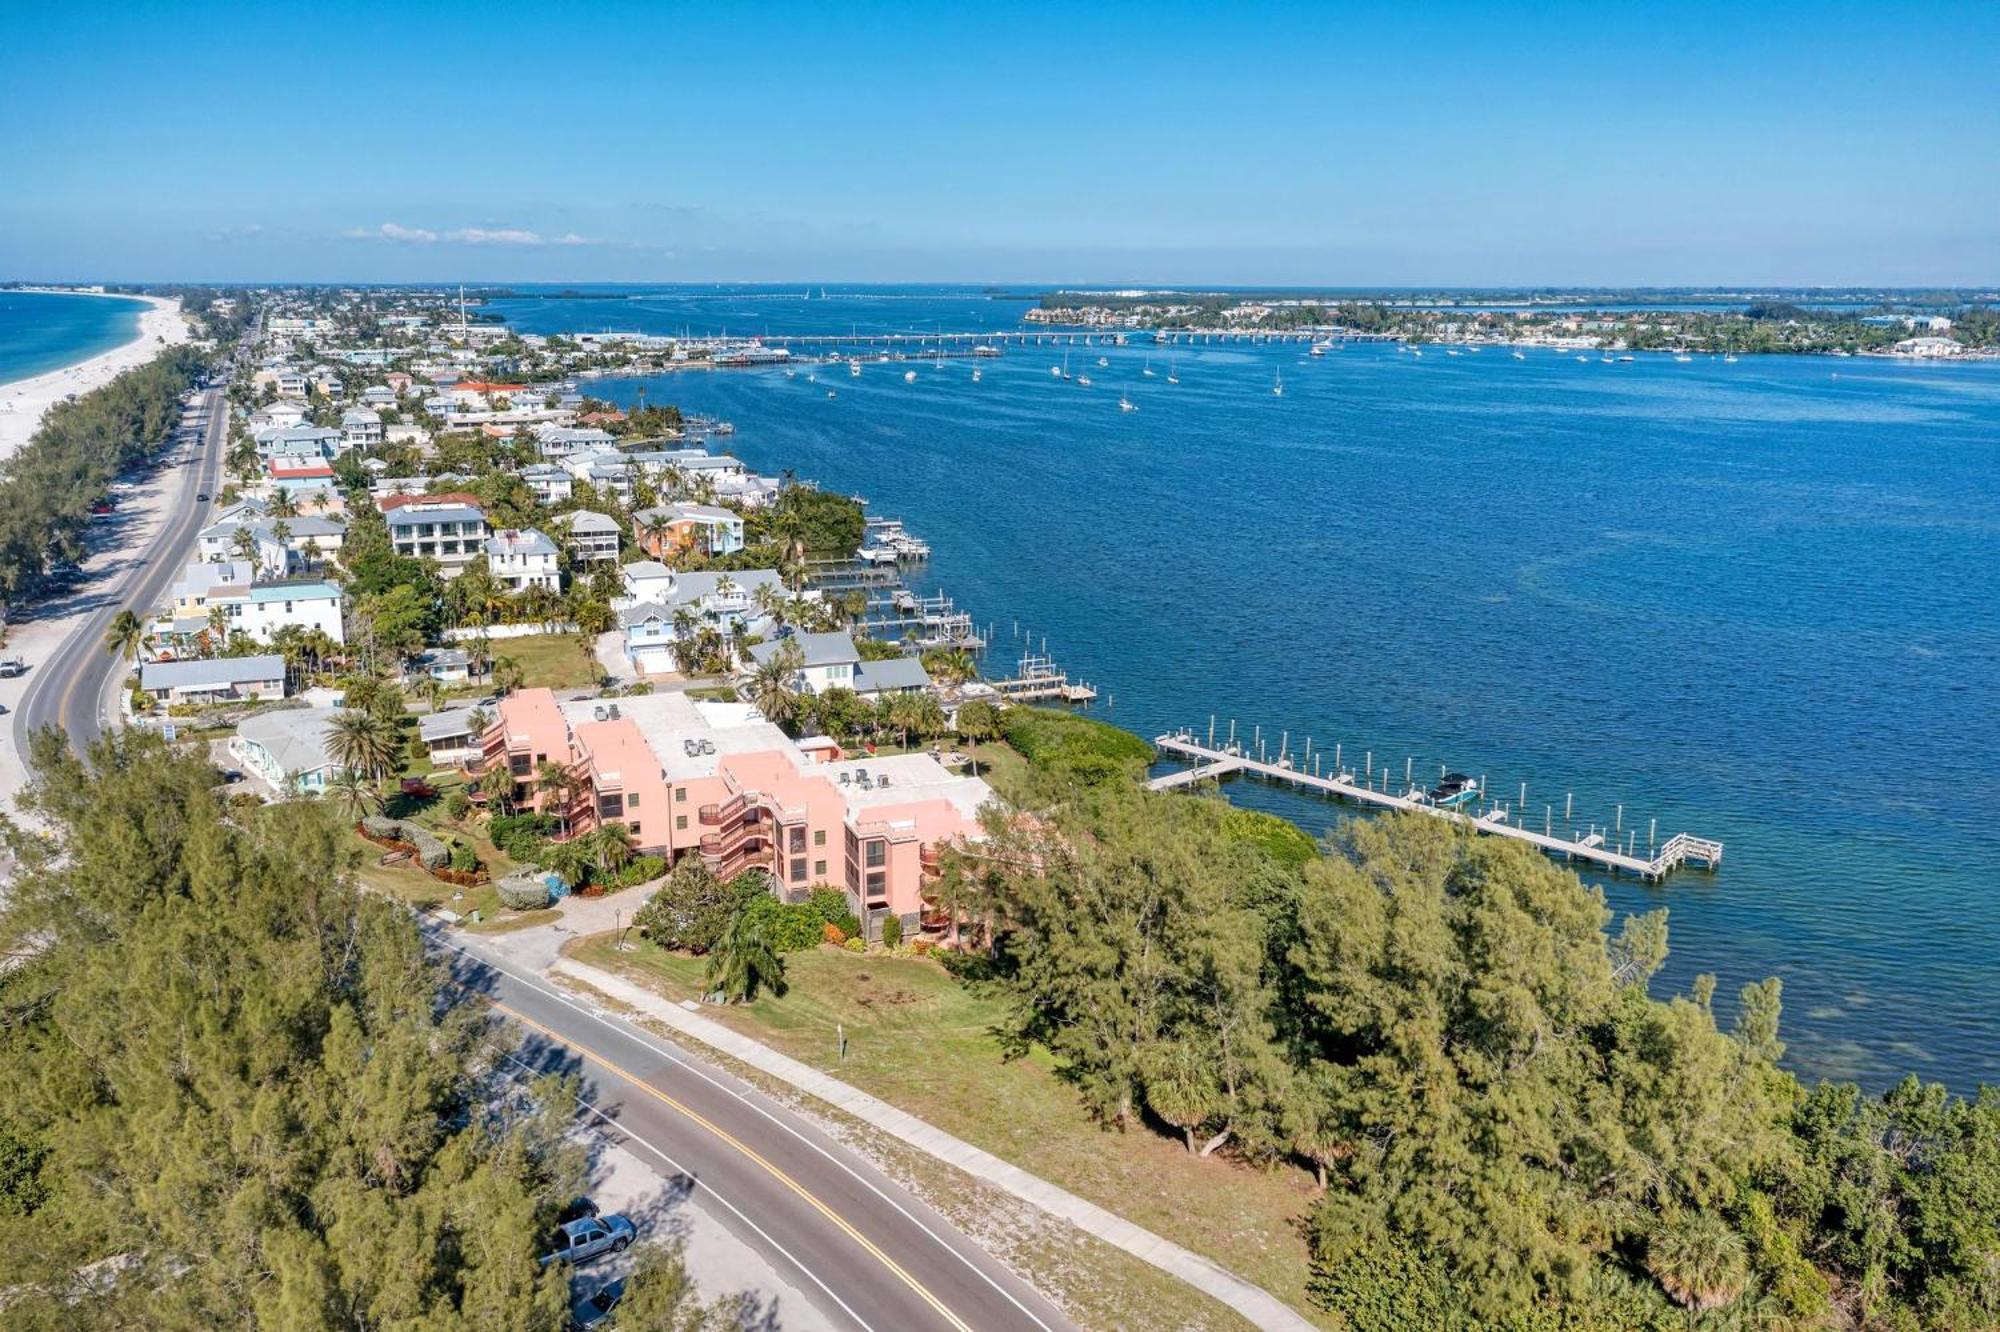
[(67, 691), (868, 1253)]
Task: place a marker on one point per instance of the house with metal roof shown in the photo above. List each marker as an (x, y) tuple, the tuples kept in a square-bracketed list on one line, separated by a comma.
[(215, 680), (288, 749)]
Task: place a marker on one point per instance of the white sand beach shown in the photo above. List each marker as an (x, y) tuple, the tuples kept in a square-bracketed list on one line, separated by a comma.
[(23, 401)]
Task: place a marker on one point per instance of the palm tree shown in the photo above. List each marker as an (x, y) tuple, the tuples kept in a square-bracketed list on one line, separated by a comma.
[(570, 859), (283, 505), (507, 675), (558, 787), (613, 844), (123, 635), (360, 740), (743, 962), (1698, 1261), (245, 544), (434, 692), (951, 666), (977, 722), (353, 792), (771, 684)]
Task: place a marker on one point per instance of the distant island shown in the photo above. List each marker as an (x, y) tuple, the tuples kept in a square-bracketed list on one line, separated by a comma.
[(1840, 322)]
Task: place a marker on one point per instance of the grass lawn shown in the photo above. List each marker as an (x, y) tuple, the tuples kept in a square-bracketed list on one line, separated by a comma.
[(553, 661), (922, 1041)]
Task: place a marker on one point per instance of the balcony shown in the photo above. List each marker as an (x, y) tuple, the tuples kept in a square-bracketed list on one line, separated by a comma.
[(930, 858), (727, 863)]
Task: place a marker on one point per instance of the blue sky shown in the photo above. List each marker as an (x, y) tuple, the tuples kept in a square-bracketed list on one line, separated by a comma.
[(1241, 143)]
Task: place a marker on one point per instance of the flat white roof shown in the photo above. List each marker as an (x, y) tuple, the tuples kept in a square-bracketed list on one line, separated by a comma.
[(912, 777), (668, 721)]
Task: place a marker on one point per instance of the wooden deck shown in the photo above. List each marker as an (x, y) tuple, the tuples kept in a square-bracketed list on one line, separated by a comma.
[(1679, 850)]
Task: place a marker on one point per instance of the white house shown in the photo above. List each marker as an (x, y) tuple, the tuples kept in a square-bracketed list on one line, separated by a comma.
[(522, 560), (262, 609), (1929, 348), (280, 414), (563, 441), (826, 661), (301, 441), (442, 528), (360, 427), (551, 484), (590, 538), (450, 736), (648, 580), (831, 661)]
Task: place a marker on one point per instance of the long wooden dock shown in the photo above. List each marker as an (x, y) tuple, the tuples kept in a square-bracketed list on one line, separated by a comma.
[(1679, 850)]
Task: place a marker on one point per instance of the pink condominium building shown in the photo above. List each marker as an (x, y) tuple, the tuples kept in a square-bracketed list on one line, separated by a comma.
[(718, 781)]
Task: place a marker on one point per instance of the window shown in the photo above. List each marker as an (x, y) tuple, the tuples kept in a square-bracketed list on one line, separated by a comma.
[(680, 794), (798, 839), (611, 807), (878, 854), (635, 831), (819, 869), (819, 838), (875, 886), (798, 870), (632, 801), (680, 822)]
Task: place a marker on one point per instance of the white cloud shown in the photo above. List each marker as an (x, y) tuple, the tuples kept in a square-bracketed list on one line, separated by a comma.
[(499, 236), (517, 236)]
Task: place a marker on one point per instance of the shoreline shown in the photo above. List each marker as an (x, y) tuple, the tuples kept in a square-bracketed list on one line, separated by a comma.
[(24, 401)]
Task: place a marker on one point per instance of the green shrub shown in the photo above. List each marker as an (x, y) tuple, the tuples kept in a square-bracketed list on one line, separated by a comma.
[(855, 946), (1079, 748), (789, 927), (521, 836), (641, 869), (1280, 839), (522, 892), (458, 804), (892, 931), (830, 904), (462, 858)]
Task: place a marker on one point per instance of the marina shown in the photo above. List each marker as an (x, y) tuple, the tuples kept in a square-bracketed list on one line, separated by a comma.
[(1615, 849)]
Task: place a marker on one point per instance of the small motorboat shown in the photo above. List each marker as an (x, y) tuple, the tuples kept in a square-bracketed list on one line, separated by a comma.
[(1453, 789)]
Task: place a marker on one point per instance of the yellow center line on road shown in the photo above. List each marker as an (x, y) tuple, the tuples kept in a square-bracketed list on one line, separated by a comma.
[(751, 1153)]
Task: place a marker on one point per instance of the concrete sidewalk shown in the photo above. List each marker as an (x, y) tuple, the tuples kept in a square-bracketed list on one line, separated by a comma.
[(1253, 1302)]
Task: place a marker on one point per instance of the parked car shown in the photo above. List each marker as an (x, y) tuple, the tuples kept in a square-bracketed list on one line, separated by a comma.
[(201, 497), (582, 1240), (594, 1308)]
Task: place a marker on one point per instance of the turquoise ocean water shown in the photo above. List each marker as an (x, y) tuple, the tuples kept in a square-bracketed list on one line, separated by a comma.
[(42, 331), (1756, 601)]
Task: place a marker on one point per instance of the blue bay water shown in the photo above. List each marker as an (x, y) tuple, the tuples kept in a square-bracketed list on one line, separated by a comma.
[(43, 331), (1754, 601)]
